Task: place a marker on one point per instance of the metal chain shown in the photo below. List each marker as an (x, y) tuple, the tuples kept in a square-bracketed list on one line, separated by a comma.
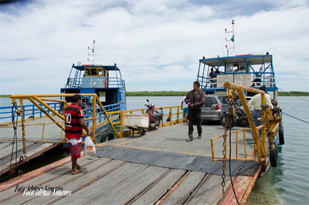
[(227, 123), (23, 128), (223, 166)]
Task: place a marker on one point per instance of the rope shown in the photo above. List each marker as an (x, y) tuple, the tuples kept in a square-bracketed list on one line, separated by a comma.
[(296, 118)]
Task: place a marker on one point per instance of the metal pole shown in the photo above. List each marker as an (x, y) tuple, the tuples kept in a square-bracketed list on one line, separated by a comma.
[(109, 121)]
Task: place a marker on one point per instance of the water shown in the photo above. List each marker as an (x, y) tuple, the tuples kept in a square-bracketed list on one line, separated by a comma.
[(289, 182)]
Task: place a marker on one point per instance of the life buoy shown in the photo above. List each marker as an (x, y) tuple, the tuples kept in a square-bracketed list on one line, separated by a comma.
[(105, 84)]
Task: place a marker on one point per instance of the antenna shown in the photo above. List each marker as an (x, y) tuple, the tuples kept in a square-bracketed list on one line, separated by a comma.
[(92, 53), (232, 39)]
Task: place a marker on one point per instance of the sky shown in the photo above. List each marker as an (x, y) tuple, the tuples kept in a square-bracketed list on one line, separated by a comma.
[(156, 44)]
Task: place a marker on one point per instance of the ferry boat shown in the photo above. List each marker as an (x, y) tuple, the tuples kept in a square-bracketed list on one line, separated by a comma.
[(160, 167), (240, 77)]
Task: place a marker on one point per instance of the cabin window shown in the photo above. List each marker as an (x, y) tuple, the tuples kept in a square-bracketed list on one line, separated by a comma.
[(100, 71), (93, 71)]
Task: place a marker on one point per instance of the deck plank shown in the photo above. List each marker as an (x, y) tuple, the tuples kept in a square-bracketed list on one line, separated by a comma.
[(152, 195), (72, 184), (211, 191), (131, 186), (96, 190), (41, 180), (185, 188)]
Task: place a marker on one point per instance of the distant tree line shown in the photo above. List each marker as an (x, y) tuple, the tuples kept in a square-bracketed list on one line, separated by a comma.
[(293, 93), (157, 93)]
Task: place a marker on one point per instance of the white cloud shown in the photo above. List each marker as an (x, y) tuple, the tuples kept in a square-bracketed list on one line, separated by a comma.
[(156, 44)]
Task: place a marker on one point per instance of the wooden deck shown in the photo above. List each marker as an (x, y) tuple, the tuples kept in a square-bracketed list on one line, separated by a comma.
[(158, 168)]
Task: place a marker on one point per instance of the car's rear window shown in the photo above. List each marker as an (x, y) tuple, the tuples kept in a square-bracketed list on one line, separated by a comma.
[(210, 101)]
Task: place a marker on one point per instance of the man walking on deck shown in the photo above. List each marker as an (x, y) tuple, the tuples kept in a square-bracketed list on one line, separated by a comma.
[(195, 99), (74, 125)]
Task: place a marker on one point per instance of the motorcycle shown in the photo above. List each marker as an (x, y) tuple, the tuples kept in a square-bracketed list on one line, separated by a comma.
[(155, 117), (239, 118)]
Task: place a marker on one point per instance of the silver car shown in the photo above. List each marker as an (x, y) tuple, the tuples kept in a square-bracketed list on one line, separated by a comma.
[(214, 108)]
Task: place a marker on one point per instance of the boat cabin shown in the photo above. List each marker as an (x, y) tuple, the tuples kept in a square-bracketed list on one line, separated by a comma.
[(104, 80), (248, 70)]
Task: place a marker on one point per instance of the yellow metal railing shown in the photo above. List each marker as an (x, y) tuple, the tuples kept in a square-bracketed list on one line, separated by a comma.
[(236, 138), (269, 126), (54, 116), (38, 101)]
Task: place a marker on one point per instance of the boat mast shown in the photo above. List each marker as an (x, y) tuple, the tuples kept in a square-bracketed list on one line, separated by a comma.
[(232, 39), (92, 53)]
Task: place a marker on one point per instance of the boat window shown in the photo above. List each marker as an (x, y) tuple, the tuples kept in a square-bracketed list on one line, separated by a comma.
[(100, 71), (93, 71), (87, 72)]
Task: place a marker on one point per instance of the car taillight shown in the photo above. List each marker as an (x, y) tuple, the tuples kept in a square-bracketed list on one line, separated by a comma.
[(218, 107)]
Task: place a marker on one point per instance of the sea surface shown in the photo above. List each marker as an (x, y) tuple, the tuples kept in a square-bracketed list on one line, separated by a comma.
[(289, 182)]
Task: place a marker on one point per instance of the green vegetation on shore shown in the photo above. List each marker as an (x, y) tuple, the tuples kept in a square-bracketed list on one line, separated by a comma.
[(4, 96), (293, 93), (157, 93)]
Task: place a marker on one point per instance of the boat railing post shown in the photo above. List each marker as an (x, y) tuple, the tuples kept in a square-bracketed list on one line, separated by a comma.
[(121, 123), (177, 114), (212, 150), (43, 132), (265, 122), (171, 121), (245, 144), (109, 121)]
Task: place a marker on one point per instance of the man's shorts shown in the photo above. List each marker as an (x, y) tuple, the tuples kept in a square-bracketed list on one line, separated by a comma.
[(185, 110), (75, 149)]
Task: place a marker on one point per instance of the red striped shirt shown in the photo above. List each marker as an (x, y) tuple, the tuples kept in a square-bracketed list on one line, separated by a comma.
[(72, 127)]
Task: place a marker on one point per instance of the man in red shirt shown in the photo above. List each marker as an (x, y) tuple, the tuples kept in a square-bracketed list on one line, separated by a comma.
[(74, 125)]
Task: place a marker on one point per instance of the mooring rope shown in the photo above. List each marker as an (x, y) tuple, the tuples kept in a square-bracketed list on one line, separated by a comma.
[(295, 118)]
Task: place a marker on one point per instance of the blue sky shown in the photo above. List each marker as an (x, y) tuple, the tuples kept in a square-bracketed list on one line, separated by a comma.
[(156, 44)]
